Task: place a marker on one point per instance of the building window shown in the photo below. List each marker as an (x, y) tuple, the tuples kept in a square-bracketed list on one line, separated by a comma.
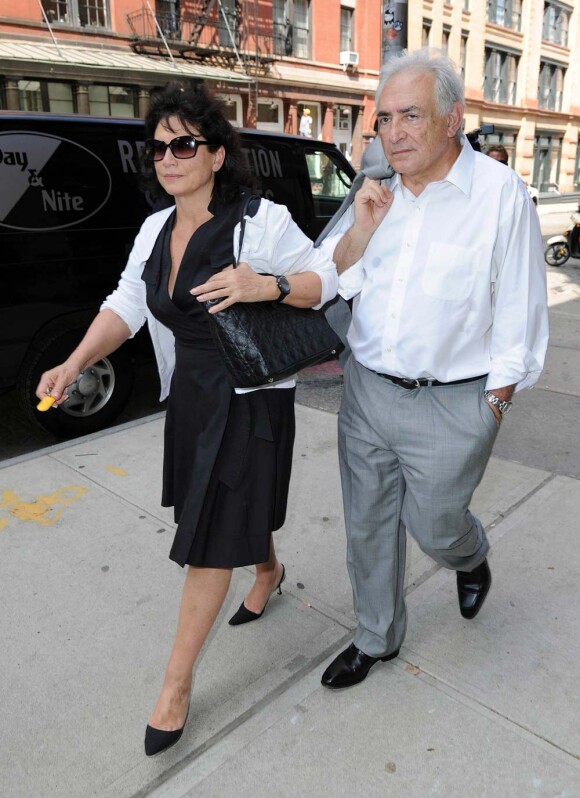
[(60, 98), (577, 168), (445, 40), (346, 29), (111, 101), (233, 108), (547, 155), (41, 95), (501, 76), (466, 5), (29, 96), (270, 115), (507, 13), (81, 13), (342, 118), (291, 23), (426, 33), (551, 86), (168, 17), (229, 33), (556, 23), (463, 52)]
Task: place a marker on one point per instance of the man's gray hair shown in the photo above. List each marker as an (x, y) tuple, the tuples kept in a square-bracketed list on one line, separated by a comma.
[(448, 81)]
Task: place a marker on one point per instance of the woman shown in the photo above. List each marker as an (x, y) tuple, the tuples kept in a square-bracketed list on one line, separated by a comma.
[(228, 452)]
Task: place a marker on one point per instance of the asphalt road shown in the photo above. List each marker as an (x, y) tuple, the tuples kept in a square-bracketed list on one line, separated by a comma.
[(542, 431)]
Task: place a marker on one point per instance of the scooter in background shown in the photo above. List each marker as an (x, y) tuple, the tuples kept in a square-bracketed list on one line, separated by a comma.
[(561, 248)]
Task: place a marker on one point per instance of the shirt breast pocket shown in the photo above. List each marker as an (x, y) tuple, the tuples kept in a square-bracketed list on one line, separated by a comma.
[(450, 272)]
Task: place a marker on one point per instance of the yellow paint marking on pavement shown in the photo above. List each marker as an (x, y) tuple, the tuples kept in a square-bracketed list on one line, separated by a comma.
[(120, 472), (44, 510), (3, 523)]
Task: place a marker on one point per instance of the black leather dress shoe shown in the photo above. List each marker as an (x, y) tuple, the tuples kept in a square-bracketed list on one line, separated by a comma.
[(472, 588), (351, 667)]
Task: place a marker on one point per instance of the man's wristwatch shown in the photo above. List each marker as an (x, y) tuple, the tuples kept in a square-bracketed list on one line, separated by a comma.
[(283, 287), (503, 406)]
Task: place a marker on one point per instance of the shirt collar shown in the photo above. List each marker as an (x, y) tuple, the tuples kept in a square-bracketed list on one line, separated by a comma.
[(460, 174)]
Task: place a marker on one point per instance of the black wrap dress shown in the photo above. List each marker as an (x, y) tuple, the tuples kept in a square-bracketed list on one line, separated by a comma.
[(228, 456)]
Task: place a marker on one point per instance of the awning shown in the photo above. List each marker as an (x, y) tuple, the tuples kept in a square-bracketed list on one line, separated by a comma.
[(41, 58)]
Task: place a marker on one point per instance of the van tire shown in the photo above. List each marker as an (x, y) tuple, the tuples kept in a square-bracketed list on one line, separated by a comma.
[(112, 377)]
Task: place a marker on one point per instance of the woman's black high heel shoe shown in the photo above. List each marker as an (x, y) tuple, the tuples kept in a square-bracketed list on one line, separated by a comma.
[(157, 740), (244, 615)]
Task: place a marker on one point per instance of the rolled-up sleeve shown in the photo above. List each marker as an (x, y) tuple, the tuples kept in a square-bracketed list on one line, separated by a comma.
[(350, 281), (519, 337), (128, 300), (274, 244)]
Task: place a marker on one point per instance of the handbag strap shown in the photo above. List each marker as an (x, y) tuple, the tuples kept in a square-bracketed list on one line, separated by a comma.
[(248, 199)]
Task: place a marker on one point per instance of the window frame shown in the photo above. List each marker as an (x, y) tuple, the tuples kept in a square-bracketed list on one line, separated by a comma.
[(76, 10), (108, 86), (290, 39), (554, 75), (275, 127), (556, 31), (494, 93), (44, 99), (346, 30), (507, 13)]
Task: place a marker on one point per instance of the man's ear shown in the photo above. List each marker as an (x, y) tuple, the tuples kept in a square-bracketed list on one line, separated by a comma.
[(455, 120)]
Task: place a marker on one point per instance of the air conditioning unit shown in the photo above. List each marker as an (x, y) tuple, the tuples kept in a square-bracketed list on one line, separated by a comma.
[(348, 58)]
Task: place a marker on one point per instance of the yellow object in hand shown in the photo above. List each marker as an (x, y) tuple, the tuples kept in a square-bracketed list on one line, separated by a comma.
[(46, 403)]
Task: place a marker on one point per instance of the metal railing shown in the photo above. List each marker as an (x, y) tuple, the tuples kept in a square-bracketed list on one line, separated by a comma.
[(214, 40)]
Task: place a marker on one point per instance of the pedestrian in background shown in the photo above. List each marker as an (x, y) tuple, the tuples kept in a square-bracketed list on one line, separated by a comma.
[(305, 126), (498, 152)]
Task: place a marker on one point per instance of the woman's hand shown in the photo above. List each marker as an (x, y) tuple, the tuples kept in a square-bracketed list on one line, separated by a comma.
[(55, 381), (241, 284)]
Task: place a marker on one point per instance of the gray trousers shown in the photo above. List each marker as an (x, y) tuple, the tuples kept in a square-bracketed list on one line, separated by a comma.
[(408, 458)]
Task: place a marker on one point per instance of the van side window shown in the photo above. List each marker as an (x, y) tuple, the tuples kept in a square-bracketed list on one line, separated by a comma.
[(280, 175), (328, 180)]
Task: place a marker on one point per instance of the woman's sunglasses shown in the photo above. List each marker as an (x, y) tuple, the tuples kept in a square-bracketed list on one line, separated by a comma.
[(181, 147)]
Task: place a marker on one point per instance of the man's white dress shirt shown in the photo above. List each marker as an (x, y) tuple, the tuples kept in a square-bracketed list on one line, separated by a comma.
[(453, 283)]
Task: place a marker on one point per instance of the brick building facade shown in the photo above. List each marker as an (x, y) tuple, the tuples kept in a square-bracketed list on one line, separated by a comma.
[(273, 59), (270, 59)]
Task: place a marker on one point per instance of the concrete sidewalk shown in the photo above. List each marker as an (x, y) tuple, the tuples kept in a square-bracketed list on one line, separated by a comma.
[(89, 602)]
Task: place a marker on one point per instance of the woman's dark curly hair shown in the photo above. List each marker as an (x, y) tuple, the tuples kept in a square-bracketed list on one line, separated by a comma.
[(195, 107)]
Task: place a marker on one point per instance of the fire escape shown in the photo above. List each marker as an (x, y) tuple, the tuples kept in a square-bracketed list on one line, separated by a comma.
[(236, 34)]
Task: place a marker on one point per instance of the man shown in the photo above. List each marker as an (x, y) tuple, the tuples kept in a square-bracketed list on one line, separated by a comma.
[(305, 127), (444, 264), (499, 153)]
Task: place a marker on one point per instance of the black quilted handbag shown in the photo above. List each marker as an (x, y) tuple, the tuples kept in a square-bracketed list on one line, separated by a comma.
[(262, 342)]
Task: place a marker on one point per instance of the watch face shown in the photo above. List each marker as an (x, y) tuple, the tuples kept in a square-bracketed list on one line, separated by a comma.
[(283, 285)]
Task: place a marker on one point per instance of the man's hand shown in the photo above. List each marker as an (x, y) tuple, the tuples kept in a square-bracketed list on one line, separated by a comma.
[(505, 394), (371, 204)]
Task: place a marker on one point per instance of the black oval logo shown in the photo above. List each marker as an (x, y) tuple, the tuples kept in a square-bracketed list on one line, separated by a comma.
[(49, 183)]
